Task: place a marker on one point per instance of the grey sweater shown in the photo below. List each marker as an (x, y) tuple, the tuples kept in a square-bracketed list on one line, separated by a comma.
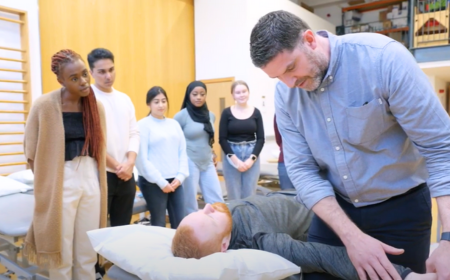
[(197, 139)]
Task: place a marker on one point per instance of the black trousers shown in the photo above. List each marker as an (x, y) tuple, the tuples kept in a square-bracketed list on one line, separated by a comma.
[(158, 201), (403, 222), (120, 199)]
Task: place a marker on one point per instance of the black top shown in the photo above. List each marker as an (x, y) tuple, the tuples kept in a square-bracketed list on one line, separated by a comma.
[(74, 134), (237, 130)]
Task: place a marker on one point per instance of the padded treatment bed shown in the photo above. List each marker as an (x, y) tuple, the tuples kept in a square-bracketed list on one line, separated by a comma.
[(116, 273), (16, 214)]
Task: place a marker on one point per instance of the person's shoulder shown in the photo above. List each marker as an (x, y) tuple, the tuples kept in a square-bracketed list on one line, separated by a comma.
[(173, 122), (47, 98), (363, 39), (212, 115), (257, 112), (122, 95), (180, 113), (226, 111), (143, 121)]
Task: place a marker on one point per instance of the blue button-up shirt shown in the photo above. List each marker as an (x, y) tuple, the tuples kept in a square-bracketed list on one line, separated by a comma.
[(372, 130)]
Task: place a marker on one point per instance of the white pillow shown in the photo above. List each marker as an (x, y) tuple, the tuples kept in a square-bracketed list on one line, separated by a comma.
[(9, 186), (145, 251), (23, 176)]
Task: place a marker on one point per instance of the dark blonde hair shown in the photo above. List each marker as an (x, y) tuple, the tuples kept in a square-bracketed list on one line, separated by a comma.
[(237, 83)]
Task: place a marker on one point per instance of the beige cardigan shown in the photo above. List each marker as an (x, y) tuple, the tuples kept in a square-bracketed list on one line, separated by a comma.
[(45, 145)]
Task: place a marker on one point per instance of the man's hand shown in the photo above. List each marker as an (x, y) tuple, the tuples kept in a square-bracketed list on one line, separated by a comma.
[(439, 261), (124, 171), (368, 255), (175, 184), (168, 189)]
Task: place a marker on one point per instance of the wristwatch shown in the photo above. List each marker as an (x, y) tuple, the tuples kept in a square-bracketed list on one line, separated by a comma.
[(253, 157), (445, 236)]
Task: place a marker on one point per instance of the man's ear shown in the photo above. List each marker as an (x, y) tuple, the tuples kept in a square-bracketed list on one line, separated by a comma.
[(225, 243), (309, 39)]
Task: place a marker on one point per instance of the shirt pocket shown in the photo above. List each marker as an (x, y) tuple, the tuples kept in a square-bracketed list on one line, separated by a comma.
[(365, 123)]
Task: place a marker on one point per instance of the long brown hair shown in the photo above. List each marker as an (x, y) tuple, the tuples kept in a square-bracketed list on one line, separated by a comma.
[(91, 120)]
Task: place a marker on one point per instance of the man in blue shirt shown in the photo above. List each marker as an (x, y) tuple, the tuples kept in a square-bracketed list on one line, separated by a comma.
[(365, 142)]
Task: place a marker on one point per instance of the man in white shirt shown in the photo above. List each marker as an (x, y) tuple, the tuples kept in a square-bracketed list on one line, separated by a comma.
[(122, 137)]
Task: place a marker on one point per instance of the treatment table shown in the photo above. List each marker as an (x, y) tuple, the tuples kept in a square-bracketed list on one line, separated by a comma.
[(16, 213)]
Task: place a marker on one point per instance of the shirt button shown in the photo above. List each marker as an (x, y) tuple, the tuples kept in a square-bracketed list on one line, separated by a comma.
[(328, 119), (322, 89), (345, 177), (356, 200), (331, 77), (338, 148)]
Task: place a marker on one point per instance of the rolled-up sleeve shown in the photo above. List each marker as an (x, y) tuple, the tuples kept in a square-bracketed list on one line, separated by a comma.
[(417, 109), (301, 166)]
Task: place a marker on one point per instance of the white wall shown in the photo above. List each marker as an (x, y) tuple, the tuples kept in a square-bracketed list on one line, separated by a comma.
[(10, 37), (222, 37), (335, 12)]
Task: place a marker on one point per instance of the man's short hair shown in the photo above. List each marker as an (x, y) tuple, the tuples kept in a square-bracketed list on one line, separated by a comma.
[(97, 54), (186, 245), (275, 32)]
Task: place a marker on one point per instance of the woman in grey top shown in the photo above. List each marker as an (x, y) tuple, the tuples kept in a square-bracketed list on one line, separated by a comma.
[(197, 122)]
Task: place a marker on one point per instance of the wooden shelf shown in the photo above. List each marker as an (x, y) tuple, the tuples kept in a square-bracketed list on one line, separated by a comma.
[(366, 7), (386, 31)]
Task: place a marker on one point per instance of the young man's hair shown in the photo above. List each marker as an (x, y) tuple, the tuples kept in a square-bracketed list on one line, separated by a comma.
[(275, 32), (97, 54), (186, 245)]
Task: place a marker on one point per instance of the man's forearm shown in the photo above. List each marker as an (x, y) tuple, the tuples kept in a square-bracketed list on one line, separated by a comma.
[(332, 214), (311, 257), (131, 157), (444, 212), (111, 162)]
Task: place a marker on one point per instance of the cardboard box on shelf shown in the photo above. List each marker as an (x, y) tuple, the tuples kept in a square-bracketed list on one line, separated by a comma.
[(399, 22), (395, 11), (387, 24), (376, 26), (383, 16), (389, 15), (350, 22), (356, 28), (401, 14), (352, 15), (365, 28), (397, 36), (405, 5)]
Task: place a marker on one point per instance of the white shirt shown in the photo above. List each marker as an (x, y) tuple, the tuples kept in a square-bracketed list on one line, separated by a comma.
[(121, 127)]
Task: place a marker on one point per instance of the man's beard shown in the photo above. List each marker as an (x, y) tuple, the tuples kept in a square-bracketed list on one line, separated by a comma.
[(222, 207), (319, 69)]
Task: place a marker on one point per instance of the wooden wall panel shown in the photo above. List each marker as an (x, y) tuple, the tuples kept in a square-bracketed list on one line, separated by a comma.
[(152, 40)]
